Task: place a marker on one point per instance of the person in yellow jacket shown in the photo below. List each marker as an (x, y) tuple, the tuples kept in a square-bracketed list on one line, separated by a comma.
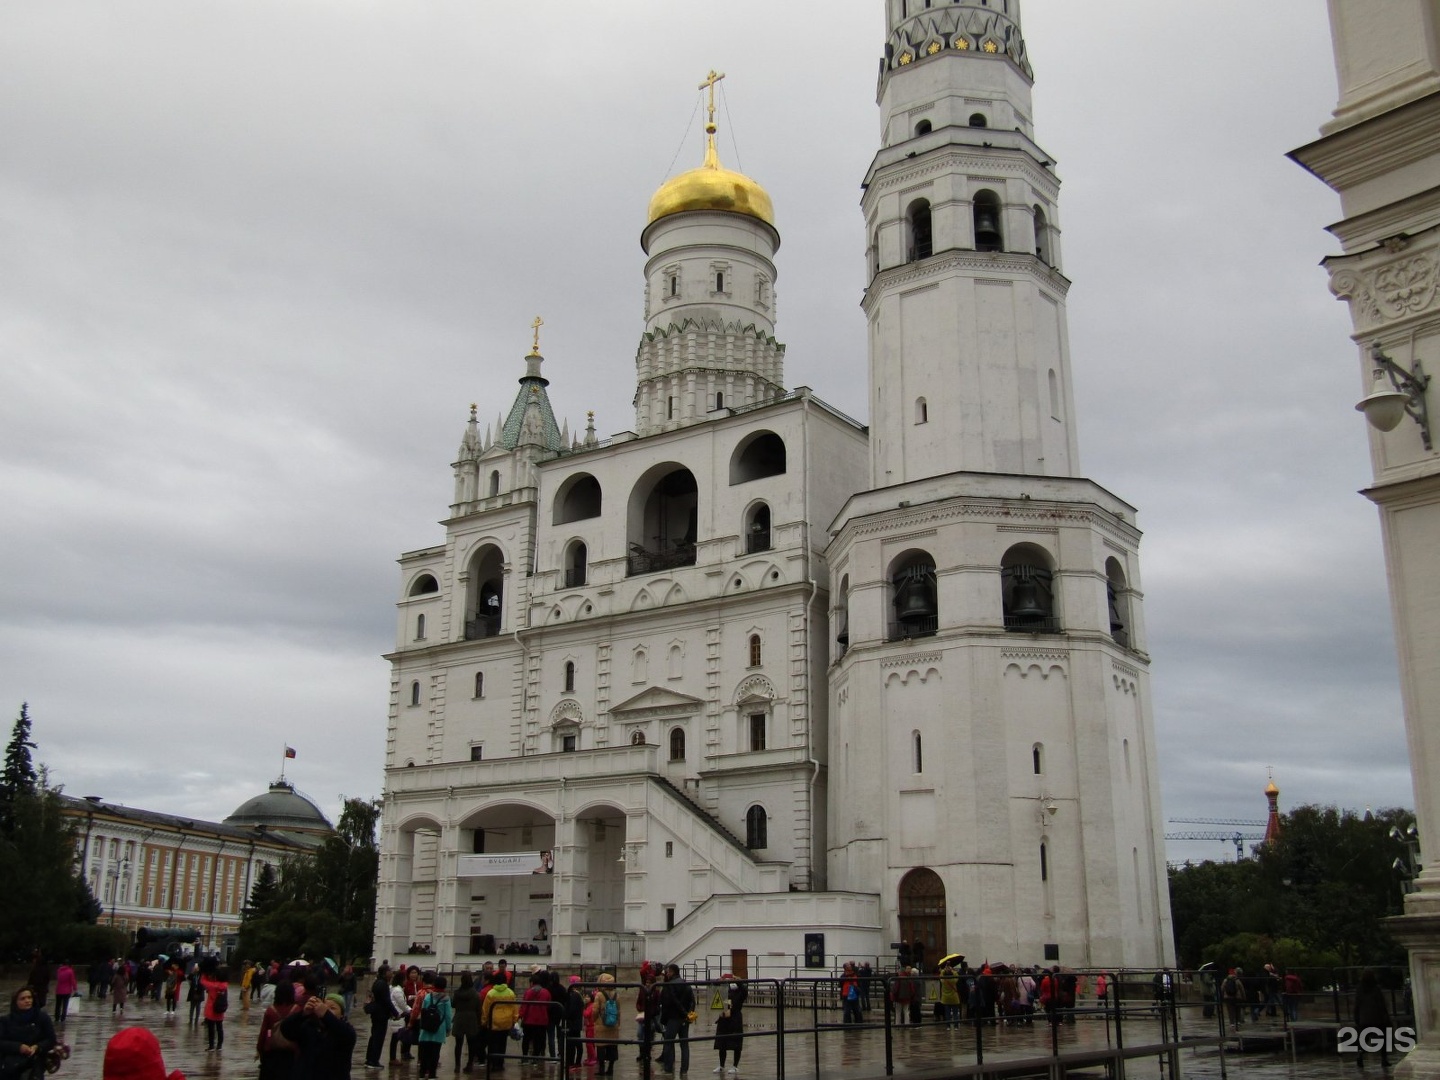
[(950, 996), (497, 1017)]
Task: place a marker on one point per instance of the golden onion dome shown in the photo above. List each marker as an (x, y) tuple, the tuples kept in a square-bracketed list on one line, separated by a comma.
[(712, 187)]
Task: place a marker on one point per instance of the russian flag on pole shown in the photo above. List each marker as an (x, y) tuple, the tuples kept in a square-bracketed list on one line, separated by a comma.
[(289, 751)]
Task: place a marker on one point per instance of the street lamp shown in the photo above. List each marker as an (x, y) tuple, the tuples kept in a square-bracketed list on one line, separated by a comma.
[(1394, 394), (1408, 866)]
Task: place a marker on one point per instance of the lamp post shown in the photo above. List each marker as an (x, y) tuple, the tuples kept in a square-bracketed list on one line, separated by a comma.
[(1408, 865), (117, 874)]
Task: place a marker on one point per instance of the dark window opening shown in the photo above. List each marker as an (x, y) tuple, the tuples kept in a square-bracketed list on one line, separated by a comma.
[(677, 744), (664, 522), (575, 568), (987, 222), (757, 731), (757, 829), (762, 455), (578, 499), (569, 676), (757, 533), (414, 693), (477, 753), (719, 281), (479, 684), (1037, 759), (978, 120), (922, 244), (923, 128), (425, 583), (754, 650), (917, 607), (569, 744), (1027, 592)]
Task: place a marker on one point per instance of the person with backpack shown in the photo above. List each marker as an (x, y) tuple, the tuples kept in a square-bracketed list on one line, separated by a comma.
[(849, 994), (498, 1015), (677, 1013), (1232, 990), (730, 1025), (216, 990), (436, 1018), (606, 1001)]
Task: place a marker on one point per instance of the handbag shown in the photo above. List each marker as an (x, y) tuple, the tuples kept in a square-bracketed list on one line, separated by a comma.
[(515, 1032)]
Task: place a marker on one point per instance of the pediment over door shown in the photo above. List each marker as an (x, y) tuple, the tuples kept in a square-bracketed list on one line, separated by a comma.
[(653, 702)]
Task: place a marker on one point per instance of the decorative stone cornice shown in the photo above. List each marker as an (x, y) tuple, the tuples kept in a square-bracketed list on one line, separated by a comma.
[(1034, 654), (912, 661), (1125, 669), (1048, 517), (1397, 288), (1020, 264)]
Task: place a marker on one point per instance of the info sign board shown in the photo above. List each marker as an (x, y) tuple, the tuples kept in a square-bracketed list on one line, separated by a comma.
[(506, 864)]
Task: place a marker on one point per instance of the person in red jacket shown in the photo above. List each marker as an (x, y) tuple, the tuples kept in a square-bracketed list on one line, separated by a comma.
[(534, 1019), (217, 1001)]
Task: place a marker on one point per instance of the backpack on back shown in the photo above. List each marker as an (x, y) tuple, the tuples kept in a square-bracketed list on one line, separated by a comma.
[(610, 1015), (430, 1018), (222, 1002)]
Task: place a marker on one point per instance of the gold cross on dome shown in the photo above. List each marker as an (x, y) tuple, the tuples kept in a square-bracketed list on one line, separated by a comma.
[(539, 322), (709, 84)]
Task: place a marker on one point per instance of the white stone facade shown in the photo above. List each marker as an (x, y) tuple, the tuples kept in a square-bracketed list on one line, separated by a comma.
[(756, 672), (1380, 151)]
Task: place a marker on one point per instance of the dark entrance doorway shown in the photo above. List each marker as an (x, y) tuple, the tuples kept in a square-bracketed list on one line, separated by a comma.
[(922, 912)]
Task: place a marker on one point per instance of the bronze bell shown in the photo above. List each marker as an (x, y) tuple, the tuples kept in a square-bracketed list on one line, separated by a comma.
[(1025, 601), (916, 601), (987, 229)]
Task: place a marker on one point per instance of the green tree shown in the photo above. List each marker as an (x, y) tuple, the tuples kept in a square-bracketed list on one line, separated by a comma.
[(44, 897), (1317, 896), (324, 903)]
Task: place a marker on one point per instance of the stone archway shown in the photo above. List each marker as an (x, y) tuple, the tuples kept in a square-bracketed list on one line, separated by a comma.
[(922, 912)]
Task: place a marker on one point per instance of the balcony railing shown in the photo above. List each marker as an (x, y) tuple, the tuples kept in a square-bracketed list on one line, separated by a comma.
[(575, 577), (757, 541), (923, 626), (484, 627), (644, 561), (1030, 624)]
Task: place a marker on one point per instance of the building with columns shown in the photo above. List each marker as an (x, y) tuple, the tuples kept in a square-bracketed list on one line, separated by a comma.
[(162, 870), (755, 671), (1380, 152)]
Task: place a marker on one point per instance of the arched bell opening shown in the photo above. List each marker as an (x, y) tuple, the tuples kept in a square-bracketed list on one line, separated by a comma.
[(757, 528), (1027, 590), (919, 233), (914, 597), (988, 236), (663, 520), (1117, 595), (485, 595), (842, 617)]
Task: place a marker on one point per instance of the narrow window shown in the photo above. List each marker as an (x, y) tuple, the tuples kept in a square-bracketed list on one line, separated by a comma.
[(477, 753), (921, 238), (1037, 759), (669, 849), (1044, 864), (414, 693), (569, 676), (419, 627), (875, 253), (674, 285), (669, 917), (495, 483), (677, 744), (670, 408), (919, 757), (479, 684), (757, 731), (720, 281), (757, 829), (1042, 247), (754, 650), (719, 400), (987, 222), (922, 411), (569, 743)]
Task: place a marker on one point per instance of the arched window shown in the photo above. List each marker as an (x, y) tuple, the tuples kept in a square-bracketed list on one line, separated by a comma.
[(917, 748), (875, 253), (419, 627), (674, 285), (923, 128), (1037, 758), (842, 616), (425, 583), (485, 598), (569, 676), (637, 738), (1117, 593), (719, 399), (575, 556), (914, 596), (495, 482), (663, 518), (757, 829), (921, 240), (1027, 590), (759, 455), (757, 529), (987, 222), (577, 498), (414, 693), (479, 684), (1044, 864), (754, 650), (720, 281), (978, 120), (922, 411), (1042, 237), (677, 744)]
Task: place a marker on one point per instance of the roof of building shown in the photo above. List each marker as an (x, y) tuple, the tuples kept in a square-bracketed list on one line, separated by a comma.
[(282, 807), (234, 827)]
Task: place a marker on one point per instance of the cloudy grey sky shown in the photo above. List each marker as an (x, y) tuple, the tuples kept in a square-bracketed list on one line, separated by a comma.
[(257, 258)]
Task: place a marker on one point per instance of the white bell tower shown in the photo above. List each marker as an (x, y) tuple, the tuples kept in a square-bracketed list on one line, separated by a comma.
[(969, 352)]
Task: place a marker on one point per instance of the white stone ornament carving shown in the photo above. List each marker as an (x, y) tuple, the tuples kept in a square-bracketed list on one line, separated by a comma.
[(1406, 286)]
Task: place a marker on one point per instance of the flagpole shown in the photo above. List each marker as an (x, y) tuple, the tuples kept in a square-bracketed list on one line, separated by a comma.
[(283, 758)]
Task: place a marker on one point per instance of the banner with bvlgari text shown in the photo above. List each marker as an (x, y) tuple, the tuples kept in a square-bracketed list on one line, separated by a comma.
[(506, 864)]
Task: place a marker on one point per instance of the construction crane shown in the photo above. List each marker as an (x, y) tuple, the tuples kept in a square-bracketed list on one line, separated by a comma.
[(1236, 837), (1217, 821)]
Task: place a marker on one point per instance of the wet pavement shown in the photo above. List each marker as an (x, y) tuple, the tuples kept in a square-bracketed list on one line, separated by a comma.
[(853, 1051)]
